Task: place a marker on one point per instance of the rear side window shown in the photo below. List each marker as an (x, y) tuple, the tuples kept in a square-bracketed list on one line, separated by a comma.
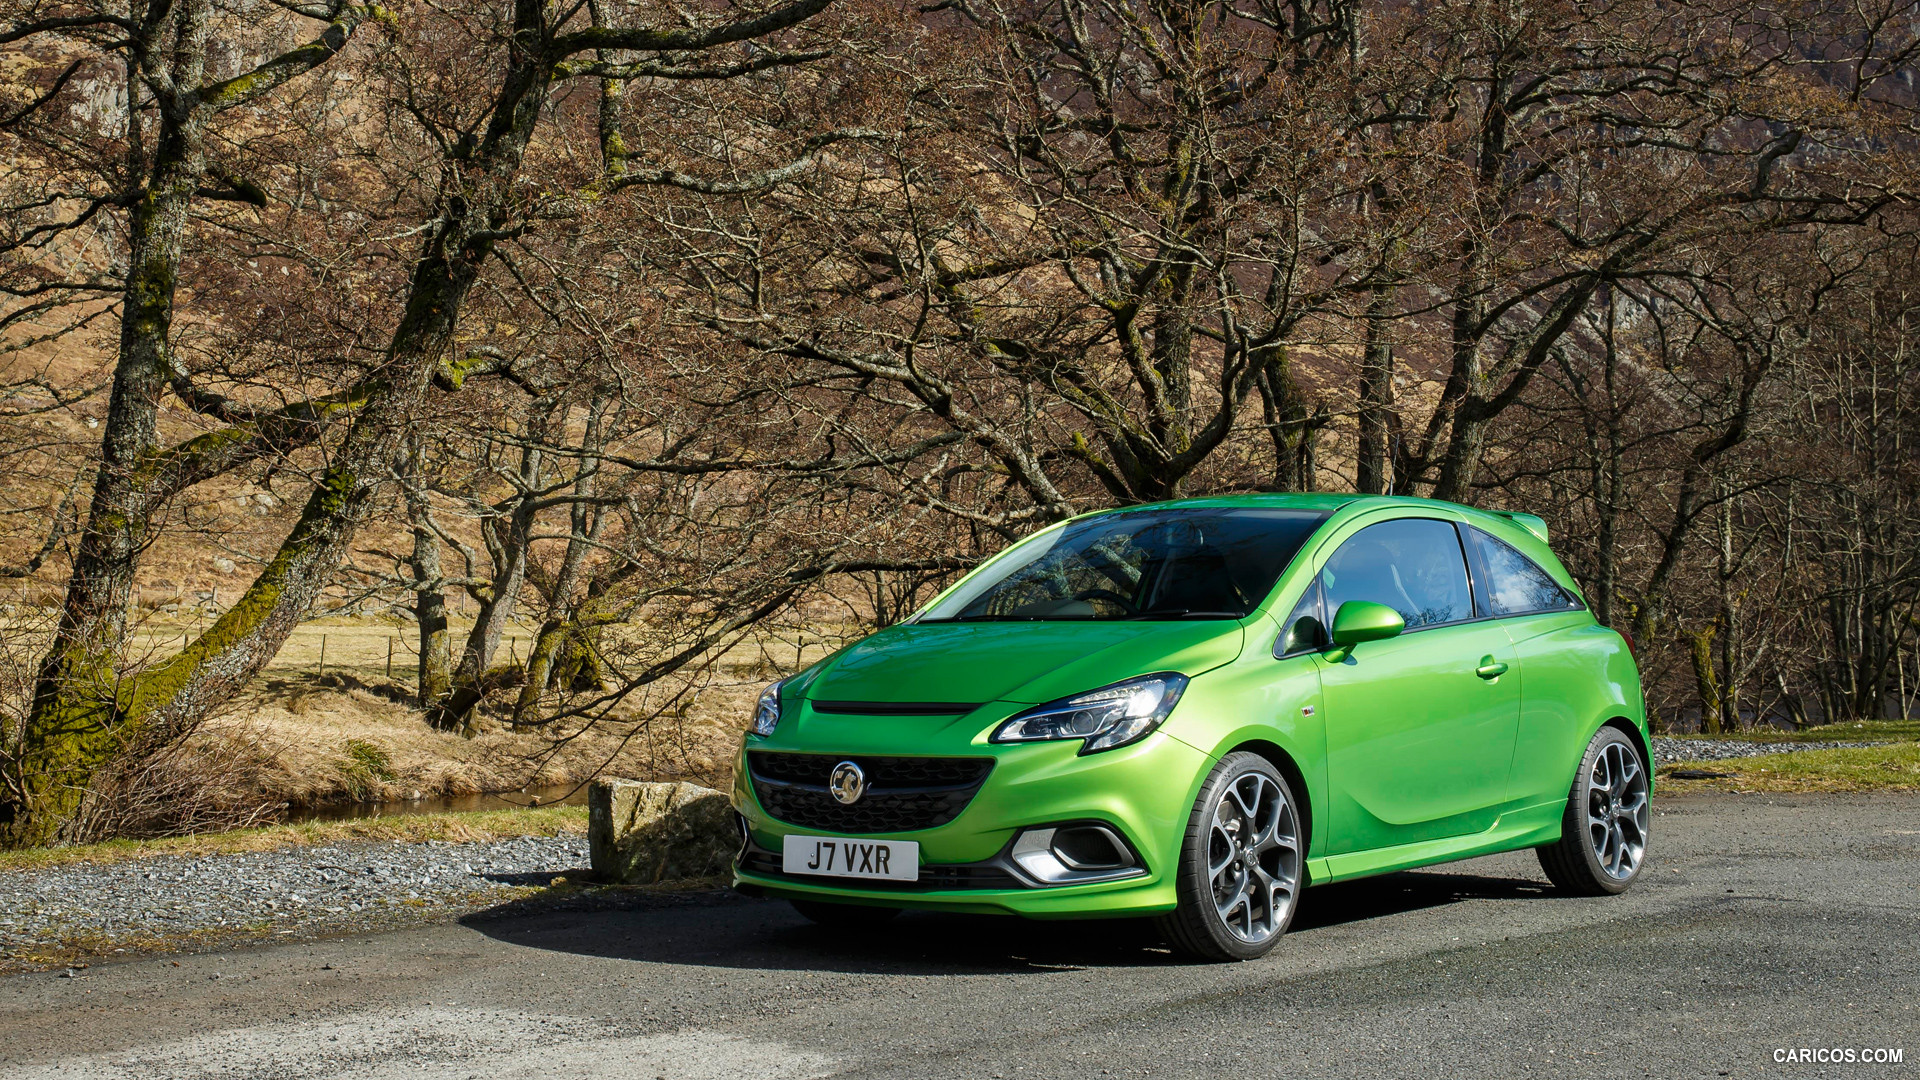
[(1413, 565), (1516, 585)]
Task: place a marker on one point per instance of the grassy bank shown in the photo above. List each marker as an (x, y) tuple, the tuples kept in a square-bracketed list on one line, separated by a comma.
[(1889, 767), (409, 828)]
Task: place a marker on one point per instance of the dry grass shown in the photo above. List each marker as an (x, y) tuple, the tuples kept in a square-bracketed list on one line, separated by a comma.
[(349, 733), (335, 738), (346, 732), (1888, 767), (460, 828)]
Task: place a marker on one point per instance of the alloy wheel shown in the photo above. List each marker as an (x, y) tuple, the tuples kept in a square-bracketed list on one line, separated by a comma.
[(1617, 810), (1253, 857)]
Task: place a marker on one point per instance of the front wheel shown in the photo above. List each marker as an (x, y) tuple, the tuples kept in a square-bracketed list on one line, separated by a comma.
[(1603, 837), (1238, 880)]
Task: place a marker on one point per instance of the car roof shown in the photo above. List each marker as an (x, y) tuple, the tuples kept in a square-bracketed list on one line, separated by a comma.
[(1329, 502), (1305, 500), (1312, 500)]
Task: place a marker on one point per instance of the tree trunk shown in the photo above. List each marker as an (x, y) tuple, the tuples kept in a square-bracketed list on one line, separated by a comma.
[(430, 608), (1373, 474), (1729, 619), (579, 668), (1608, 487), (1705, 680), (1292, 427), (508, 541), (1480, 404), (77, 719), (584, 521), (83, 708)]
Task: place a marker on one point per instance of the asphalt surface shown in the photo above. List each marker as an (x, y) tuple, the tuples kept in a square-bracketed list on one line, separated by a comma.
[(1764, 924)]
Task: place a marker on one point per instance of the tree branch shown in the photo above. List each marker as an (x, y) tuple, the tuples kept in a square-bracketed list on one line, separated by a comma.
[(650, 40)]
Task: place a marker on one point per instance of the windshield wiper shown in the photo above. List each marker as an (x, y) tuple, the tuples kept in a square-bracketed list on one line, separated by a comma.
[(1186, 613), (985, 618)]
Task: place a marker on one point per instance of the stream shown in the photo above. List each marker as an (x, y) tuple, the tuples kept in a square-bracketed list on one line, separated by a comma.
[(537, 795)]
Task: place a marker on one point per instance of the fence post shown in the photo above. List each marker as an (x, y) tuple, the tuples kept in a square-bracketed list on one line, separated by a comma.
[(323, 654)]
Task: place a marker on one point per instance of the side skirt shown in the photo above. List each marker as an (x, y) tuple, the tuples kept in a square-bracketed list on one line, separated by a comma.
[(1528, 827)]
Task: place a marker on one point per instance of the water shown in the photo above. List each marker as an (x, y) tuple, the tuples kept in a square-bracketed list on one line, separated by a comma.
[(537, 795)]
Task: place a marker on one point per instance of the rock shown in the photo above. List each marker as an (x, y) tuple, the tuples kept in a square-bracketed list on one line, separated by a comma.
[(643, 833)]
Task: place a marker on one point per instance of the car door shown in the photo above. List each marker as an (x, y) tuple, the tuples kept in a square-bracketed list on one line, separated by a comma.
[(1420, 727)]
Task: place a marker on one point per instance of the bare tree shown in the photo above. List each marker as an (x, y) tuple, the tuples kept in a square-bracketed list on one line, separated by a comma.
[(177, 88)]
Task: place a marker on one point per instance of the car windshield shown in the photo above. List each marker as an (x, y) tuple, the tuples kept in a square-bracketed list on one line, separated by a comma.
[(1202, 563)]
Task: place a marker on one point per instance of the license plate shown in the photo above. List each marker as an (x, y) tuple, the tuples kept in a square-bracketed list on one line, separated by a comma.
[(826, 856)]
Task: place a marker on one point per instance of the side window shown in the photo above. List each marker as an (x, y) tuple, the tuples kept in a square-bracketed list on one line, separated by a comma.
[(1515, 584), (1306, 629), (1413, 566)]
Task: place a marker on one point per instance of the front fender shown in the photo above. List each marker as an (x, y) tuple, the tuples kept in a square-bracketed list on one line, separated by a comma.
[(1266, 705)]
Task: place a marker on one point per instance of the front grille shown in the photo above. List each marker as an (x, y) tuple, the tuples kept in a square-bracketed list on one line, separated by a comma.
[(894, 708), (934, 876), (903, 793)]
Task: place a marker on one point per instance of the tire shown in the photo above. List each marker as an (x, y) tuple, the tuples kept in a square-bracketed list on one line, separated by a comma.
[(843, 916), (1239, 874), (1603, 835)]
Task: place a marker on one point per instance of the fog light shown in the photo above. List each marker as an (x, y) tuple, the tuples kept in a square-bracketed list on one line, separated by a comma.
[(1074, 854), (1090, 847)]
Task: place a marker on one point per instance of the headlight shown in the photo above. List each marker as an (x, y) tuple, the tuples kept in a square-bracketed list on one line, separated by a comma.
[(1108, 717), (766, 715)]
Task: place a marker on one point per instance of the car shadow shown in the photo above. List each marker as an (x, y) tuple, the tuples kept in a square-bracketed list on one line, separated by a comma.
[(719, 928), (1408, 891)]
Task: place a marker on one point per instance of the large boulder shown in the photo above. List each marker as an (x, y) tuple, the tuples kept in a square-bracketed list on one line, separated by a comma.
[(644, 833)]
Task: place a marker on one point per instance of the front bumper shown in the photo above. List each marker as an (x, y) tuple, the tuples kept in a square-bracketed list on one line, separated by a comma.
[(1143, 792)]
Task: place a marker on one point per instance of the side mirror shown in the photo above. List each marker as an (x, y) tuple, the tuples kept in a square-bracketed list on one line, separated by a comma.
[(1361, 620)]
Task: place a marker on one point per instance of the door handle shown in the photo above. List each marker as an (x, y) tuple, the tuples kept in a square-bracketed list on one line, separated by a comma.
[(1490, 668)]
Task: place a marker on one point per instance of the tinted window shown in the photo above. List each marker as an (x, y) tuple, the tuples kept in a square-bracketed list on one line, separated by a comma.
[(1413, 566), (1516, 584), (1145, 564)]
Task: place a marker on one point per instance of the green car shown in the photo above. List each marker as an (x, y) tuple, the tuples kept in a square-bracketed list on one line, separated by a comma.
[(1195, 709)]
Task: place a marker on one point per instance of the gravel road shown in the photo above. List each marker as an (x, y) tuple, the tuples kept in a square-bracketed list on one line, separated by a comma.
[(1764, 924)]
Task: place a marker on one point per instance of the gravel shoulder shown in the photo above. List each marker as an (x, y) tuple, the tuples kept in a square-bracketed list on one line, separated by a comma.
[(71, 914), (1667, 749)]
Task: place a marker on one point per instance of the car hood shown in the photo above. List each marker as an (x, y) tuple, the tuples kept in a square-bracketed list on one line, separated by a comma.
[(1026, 662)]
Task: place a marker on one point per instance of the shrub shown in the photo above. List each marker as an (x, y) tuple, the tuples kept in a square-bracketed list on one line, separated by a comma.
[(368, 769)]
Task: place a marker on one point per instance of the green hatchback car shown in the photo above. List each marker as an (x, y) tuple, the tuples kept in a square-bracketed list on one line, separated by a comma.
[(1195, 709)]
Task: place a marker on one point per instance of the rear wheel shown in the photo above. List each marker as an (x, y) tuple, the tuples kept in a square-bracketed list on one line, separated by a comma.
[(843, 916), (1603, 836), (1238, 880)]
